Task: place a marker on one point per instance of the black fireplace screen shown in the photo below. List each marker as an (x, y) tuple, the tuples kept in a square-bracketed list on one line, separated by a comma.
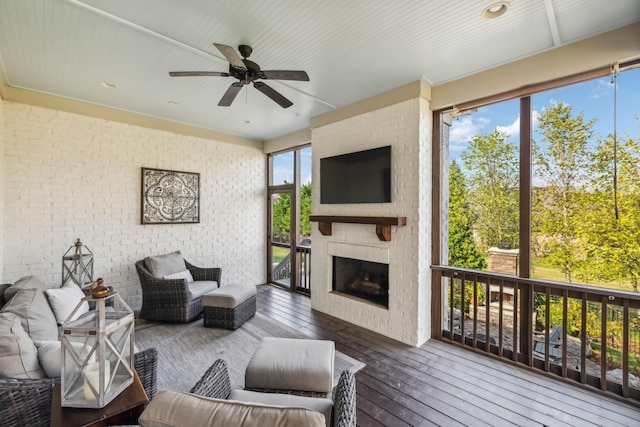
[(362, 279)]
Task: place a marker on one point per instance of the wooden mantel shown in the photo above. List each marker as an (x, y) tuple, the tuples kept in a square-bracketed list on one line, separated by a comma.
[(383, 223)]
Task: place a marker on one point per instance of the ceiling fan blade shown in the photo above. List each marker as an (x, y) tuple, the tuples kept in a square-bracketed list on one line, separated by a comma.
[(285, 75), (231, 55), (197, 73), (230, 94), (273, 94)]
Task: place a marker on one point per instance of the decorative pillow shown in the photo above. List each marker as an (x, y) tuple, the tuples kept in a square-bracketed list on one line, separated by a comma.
[(18, 357), (26, 282), (180, 275), (33, 310), (63, 300), (50, 356), (164, 265), (172, 408)]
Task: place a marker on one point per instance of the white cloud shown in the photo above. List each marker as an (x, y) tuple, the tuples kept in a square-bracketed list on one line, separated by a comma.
[(512, 129), (462, 129), (603, 88), (535, 119)]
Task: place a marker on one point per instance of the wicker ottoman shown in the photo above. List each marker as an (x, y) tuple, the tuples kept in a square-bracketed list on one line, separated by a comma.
[(229, 306)]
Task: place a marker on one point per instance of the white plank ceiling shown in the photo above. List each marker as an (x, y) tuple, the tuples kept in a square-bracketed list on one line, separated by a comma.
[(351, 50)]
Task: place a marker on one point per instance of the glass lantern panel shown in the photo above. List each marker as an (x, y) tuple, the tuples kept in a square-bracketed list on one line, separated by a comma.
[(97, 361)]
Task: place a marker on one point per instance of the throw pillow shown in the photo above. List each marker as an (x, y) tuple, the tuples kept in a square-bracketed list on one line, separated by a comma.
[(64, 300), (26, 282), (33, 310), (186, 274), (18, 357), (50, 356), (163, 265)]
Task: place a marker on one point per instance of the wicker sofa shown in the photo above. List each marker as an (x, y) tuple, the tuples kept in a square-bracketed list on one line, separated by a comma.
[(26, 402), (28, 335), (212, 397), (172, 288)]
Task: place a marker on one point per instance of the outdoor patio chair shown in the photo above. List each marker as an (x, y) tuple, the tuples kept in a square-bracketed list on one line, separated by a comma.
[(555, 344), (174, 296), (215, 383)]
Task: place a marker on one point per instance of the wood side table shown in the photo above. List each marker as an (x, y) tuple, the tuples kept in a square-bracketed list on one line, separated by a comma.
[(124, 409)]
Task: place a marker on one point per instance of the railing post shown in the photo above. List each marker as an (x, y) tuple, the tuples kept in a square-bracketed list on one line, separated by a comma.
[(436, 305), (526, 328), (526, 290)]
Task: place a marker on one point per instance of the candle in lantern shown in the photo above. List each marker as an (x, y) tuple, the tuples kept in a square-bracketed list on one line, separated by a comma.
[(92, 375)]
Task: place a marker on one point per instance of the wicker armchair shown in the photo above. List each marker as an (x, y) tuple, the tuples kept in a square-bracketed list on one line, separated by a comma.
[(146, 366), (215, 383), (25, 402), (172, 300)]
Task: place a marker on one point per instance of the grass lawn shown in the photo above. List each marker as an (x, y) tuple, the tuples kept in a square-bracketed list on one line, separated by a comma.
[(279, 254), (543, 270)]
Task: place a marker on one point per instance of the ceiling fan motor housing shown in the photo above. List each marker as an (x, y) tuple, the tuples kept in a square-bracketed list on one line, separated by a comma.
[(252, 72), (245, 50)]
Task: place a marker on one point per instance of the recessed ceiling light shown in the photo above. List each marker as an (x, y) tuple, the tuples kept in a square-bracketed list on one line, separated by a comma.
[(172, 103), (495, 10), (109, 85)]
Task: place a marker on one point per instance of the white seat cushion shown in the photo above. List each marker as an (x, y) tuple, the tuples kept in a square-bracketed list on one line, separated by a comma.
[(200, 287), (229, 296), (324, 406), (272, 366)]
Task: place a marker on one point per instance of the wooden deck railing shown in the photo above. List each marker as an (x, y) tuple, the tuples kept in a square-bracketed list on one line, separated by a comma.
[(584, 334), (282, 271)]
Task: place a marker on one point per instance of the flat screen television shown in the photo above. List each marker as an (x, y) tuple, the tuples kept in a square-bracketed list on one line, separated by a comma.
[(361, 177)]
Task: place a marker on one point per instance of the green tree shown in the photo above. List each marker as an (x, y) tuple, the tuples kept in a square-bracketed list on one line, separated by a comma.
[(613, 250), (492, 163), (463, 250), (561, 161), (282, 217), (282, 213), (305, 209)]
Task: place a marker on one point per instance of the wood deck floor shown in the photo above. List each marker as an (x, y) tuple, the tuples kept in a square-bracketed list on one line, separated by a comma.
[(440, 384)]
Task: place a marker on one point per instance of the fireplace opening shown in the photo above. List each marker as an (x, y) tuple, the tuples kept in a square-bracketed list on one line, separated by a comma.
[(362, 279)]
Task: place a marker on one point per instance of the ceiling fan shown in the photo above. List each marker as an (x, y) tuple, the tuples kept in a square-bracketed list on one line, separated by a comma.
[(247, 72)]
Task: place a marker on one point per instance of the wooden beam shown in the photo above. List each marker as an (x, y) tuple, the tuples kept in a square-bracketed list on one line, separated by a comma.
[(383, 223)]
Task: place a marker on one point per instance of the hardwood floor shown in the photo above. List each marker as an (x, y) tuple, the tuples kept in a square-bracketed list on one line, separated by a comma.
[(440, 384)]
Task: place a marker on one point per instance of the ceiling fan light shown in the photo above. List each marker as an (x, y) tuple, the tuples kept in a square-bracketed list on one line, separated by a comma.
[(109, 85), (495, 10)]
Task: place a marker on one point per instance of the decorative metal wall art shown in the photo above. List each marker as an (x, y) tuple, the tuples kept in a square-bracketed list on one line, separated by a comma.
[(170, 197)]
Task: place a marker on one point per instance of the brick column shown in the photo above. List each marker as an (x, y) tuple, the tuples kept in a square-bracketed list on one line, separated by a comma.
[(503, 260)]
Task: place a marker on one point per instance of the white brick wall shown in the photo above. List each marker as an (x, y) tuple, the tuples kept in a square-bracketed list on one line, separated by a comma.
[(407, 127), (2, 167), (68, 176)]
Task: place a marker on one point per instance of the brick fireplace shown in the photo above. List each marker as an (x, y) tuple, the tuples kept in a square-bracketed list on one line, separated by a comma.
[(402, 307), (364, 280)]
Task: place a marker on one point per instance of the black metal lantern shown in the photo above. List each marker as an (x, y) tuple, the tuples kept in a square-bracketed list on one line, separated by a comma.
[(77, 265)]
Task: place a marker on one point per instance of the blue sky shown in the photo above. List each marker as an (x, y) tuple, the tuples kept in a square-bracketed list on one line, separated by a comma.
[(594, 98), (283, 167)]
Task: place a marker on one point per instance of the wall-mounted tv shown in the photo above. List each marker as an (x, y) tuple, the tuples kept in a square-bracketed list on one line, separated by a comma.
[(361, 177)]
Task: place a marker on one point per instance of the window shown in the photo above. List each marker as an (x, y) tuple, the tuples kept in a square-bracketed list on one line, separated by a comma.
[(582, 231)]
